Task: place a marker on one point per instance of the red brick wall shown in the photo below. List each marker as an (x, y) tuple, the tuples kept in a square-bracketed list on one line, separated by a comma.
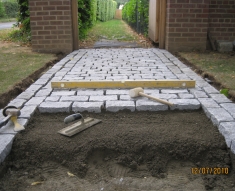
[(186, 24), (222, 19), (51, 25)]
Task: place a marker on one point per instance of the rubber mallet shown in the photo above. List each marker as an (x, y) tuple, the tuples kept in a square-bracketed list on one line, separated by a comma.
[(140, 92), (11, 113)]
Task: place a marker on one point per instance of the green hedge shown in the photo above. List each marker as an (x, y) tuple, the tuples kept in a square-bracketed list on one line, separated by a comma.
[(11, 8), (136, 14), (106, 9), (2, 10)]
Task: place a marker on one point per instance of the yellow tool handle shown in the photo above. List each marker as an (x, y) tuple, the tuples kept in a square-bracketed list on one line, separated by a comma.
[(18, 127), (156, 99)]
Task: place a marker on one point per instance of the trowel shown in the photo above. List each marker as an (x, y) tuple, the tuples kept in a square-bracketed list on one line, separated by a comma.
[(78, 126)]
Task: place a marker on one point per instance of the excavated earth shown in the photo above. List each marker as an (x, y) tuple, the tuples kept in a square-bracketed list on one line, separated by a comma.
[(127, 151)]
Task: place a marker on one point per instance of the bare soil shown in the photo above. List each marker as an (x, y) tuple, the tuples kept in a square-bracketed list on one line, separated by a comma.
[(125, 152)]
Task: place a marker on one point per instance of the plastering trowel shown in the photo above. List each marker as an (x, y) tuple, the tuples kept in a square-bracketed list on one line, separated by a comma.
[(78, 126)]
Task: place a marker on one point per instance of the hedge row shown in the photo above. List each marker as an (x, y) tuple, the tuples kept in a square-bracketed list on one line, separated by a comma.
[(9, 9), (106, 9), (88, 12), (136, 14)]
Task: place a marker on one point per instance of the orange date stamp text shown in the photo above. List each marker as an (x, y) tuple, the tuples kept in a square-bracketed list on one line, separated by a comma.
[(210, 170)]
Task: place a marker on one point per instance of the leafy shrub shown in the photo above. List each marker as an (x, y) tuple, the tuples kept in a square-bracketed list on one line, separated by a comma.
[(136, 14), (11, 8), (2, 10), (86, 16), (106, 9), (23, 20)]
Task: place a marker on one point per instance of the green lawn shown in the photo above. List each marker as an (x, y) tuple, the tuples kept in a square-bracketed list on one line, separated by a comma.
[(17, 62), (111, 30)]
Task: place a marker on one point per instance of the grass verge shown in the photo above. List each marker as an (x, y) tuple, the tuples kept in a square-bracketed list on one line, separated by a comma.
[(111, 30), (220, 67), (17, 62)]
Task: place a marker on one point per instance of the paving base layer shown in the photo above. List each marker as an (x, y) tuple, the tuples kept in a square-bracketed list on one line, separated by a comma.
[(120, 64)]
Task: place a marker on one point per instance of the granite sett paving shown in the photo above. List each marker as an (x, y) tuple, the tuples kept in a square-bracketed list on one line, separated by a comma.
[(118, 64)]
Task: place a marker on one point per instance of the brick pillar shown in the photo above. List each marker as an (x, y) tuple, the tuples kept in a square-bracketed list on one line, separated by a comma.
[(51, 25), (186, 25)]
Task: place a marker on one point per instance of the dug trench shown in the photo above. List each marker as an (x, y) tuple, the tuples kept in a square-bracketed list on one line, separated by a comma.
[(127, 151)]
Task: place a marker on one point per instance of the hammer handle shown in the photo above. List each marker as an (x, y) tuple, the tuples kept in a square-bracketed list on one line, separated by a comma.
[(156, 99)]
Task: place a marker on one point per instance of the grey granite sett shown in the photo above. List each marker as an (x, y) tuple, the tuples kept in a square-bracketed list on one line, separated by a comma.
[(183, 76), (128, 98), (227, 129), (52, 99), (1, 115), (35, 101), (208, 102), (233, 146), (200, 94), (74, 98), (54, 107), (115, 106), (60, 74), (43, 92), (117, 91), (220, 98), (87, 106), (5, 145), (33, 88), (25, 95), (90, 92), (63, 93), (218, 115), (47, 76), (27, 111), (186, 96), (210, 90), (230, 107), (202, 83), (103, 98), (147, 105), (41, 81), (165, 96), (174, 91), (17, 102), (185, 104)]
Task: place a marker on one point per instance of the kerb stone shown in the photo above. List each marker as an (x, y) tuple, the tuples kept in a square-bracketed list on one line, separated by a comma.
[(55, 107), (230, 107), (228, 131), (88, 106), (27, 111), (5, 145), (115, 106), (35, 101), (185, 104), (143, 105), (218, 115), (208, 102)]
